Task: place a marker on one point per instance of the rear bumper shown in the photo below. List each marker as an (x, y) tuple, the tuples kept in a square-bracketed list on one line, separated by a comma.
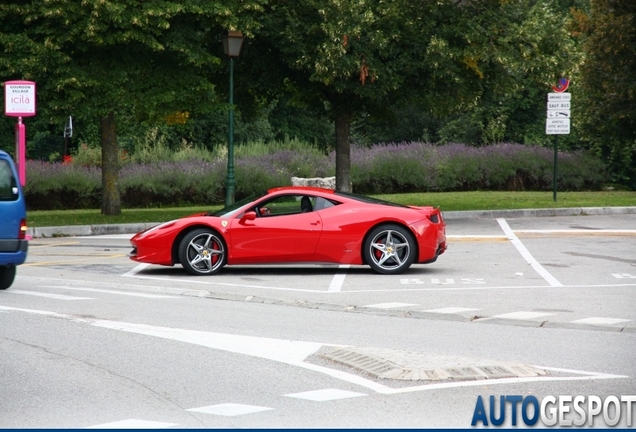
[(13, 252)]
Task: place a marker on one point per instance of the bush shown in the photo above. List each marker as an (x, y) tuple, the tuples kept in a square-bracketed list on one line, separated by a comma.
[(192, 176)]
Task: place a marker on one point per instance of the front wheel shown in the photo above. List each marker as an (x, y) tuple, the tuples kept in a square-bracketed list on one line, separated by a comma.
[(7, 275), (390, 249), (202, 252)]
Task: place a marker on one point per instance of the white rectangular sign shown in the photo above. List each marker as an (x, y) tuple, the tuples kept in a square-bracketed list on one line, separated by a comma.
[(19, 98), (559, 97), (558, 105), (557, 126), (558, 113)]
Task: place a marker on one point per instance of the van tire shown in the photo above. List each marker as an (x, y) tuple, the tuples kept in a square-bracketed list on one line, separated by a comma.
[(7, 274)]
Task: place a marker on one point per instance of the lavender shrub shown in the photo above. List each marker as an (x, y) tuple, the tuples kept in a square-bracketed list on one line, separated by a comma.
[(381, 168)]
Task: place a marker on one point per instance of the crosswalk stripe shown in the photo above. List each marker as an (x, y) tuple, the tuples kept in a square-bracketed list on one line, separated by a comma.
[(133, 424)]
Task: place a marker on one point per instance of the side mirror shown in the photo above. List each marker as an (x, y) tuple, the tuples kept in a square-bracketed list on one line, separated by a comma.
[(248, 216)]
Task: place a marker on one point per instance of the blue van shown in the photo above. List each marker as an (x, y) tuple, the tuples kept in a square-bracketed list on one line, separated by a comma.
[(13, 227)]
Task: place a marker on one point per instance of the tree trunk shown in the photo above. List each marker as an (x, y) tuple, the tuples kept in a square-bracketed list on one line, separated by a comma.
[(111, 201), (343, 153)]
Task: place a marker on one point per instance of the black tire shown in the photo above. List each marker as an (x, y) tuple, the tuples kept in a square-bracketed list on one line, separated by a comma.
[(7, 275), (202, 252), (390, 249)]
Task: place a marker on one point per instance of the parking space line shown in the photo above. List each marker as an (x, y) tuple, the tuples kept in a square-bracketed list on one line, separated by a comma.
[(338, 279), (527, 255), (136, 270)]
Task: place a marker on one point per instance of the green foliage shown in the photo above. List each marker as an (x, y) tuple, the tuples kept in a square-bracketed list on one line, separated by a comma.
[(608, 86), (191, 176)]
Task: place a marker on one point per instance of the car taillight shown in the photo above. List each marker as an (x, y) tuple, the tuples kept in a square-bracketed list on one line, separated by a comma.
[(436, 216), (23, 229)]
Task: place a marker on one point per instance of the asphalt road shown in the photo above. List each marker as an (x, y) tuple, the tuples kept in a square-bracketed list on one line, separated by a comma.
[(89, 338)]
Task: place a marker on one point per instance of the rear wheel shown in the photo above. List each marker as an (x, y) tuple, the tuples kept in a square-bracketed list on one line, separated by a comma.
[(7, 275), (202, 252), (390, 249)]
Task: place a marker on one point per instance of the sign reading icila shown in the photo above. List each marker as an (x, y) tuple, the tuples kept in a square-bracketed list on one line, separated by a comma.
[(19, 98)]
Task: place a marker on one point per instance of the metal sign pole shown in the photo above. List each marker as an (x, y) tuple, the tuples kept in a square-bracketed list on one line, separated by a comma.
[(556, 158), (558, 122)]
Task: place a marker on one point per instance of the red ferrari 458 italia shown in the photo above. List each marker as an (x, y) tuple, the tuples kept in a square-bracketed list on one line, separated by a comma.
[(298, 225)]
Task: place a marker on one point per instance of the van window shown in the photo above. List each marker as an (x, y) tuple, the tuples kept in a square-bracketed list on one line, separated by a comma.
[(8, 184)]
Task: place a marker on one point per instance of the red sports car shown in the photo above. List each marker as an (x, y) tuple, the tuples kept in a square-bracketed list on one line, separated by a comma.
[(298, 225)]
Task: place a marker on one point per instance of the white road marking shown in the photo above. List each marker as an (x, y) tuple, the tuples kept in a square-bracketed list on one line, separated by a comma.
[(578, 231), (522, 315), (600, 321), (290, 352), (389, 305), (460, 236), (437, 281), (526, 254), (326, 395), (445, 288), (338, 279), (450, 310), (47, 295), (486, 288), (133, 424), (133, 294), (136, 270), (193, 281), (623, 276), (230, 409)]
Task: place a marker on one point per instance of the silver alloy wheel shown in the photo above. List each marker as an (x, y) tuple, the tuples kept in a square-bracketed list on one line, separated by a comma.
[(204, 252), (390, 249)]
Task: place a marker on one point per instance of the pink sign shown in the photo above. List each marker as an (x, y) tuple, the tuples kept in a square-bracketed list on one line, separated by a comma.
[(19, 98)]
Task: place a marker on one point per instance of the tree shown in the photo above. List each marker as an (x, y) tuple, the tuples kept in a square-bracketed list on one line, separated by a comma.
[(608, 84), (107, 60), (349, 57), (369, 56)]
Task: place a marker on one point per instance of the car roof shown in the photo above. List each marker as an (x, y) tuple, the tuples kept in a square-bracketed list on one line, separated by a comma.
[(300, 189)]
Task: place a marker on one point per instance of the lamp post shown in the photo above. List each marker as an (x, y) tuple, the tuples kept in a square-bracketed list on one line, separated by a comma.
[(232, 46)]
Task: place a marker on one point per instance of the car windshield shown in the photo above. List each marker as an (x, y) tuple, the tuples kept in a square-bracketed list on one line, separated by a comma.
[(232, 208), (368, 200)]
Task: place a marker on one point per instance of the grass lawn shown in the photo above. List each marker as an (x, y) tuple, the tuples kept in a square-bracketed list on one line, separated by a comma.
[(447, 201)]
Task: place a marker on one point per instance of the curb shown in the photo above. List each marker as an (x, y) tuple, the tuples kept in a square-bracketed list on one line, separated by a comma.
[(573, 211), (89, 230)]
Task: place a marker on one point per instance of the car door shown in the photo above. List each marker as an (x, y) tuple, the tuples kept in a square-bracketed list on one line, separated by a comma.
[(281, 232)]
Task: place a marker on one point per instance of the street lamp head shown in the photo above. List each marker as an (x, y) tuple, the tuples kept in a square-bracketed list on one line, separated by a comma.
[(232, 43)]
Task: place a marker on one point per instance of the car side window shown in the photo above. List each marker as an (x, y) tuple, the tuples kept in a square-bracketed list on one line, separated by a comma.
[(286, 205), (8, 185), (322, 203)]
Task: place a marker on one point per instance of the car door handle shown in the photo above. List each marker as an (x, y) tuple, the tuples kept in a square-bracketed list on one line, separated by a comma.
[(315, 223)]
